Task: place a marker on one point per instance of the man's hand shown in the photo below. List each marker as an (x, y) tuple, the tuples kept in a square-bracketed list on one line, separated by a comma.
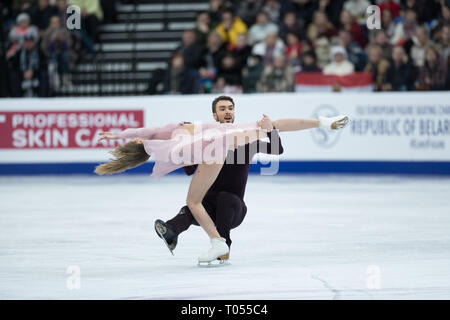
[(107, 135), (266, 123)]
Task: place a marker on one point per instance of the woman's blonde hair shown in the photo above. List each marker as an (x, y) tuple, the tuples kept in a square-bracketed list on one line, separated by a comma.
[(128, 155)]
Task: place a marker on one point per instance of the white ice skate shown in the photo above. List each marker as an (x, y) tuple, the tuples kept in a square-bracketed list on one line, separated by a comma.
[(219, 251), (333, 123)]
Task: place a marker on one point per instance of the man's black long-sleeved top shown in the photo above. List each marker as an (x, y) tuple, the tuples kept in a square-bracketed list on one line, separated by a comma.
[(233, 176)]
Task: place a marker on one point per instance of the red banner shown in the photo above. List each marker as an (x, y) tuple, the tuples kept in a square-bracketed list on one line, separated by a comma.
[(64, 129), (358, 81)]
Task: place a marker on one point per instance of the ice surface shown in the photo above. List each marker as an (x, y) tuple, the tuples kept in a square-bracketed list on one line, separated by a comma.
[(304, 237)]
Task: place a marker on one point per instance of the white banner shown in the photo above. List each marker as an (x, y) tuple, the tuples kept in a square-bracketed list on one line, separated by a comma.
[(383, 126)]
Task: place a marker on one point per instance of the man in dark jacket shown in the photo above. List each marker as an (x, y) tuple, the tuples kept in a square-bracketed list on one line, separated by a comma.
[(224, 201)]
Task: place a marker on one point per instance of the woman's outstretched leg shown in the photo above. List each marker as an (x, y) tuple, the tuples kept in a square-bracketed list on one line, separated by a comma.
[(202, 180)]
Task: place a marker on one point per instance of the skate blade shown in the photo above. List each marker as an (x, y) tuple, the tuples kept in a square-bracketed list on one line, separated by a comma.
[(160, 230), (339, 124), (214, 264)]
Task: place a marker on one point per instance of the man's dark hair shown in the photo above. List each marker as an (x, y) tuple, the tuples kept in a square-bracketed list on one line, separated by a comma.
[(220, 99)]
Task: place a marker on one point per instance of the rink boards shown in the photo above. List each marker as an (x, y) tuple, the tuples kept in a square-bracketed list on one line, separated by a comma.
[(388, 132)]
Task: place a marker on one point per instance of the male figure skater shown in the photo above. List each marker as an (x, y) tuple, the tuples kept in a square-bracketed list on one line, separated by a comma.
[(224, 201)]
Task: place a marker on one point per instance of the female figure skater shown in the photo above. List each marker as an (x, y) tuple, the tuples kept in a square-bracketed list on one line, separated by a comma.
[(163, 142)]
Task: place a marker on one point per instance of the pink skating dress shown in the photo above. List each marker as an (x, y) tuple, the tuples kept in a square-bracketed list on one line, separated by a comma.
[(172, 147)]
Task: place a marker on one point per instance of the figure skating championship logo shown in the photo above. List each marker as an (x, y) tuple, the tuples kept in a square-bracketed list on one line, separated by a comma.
[(325, 138)]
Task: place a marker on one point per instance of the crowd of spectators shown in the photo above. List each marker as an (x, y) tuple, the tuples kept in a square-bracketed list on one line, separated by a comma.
[(260, 45), (40, 50), (241, 46)]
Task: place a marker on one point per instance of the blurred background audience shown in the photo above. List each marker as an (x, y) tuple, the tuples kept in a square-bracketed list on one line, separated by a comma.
[(242, 46)]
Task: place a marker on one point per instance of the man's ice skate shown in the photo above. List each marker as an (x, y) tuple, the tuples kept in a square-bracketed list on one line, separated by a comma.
[(167, 234), (217, 254), (333, 123)]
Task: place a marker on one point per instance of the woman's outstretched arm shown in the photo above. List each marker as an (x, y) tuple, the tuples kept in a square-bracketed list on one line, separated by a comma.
[(145, 133), (153, 132)]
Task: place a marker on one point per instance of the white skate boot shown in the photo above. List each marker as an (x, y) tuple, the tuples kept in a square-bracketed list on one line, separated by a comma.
[(333, 123), (219, 250)]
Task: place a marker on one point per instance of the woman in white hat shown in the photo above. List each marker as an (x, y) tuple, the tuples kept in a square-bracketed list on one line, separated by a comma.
[(339, 64)]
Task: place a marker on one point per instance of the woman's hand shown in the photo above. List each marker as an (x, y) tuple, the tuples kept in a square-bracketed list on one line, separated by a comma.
[(107, 135)]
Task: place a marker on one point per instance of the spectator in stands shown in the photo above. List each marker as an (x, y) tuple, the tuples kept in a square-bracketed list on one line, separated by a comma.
[(230, 26), (241, 51), (215, 9), (181, 80), (248, 10), (20, 6), (231, 73), (19, 32), (390, 5), (91, 16), (322, 49), (202, 27), (29, 77), (215, 50), (320, 27), (61, 6), (213, 54), (358, 9), (261, 28), (349, 24), (339, 64), (308, 62), (443, 42), (278, 77), (272, 8), (387, 23), (293, 51), (272, 46), (290, 25), (354, 52), (405, 30), (252, 73), (191, 50), (401, 73), (426, 9), (433, 74), (422, 42), (56, 43), (332, 8), (319, 34), (443, 20), (377, 66), (75, 48), (382, 41), (40, 13), (304, 10)]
